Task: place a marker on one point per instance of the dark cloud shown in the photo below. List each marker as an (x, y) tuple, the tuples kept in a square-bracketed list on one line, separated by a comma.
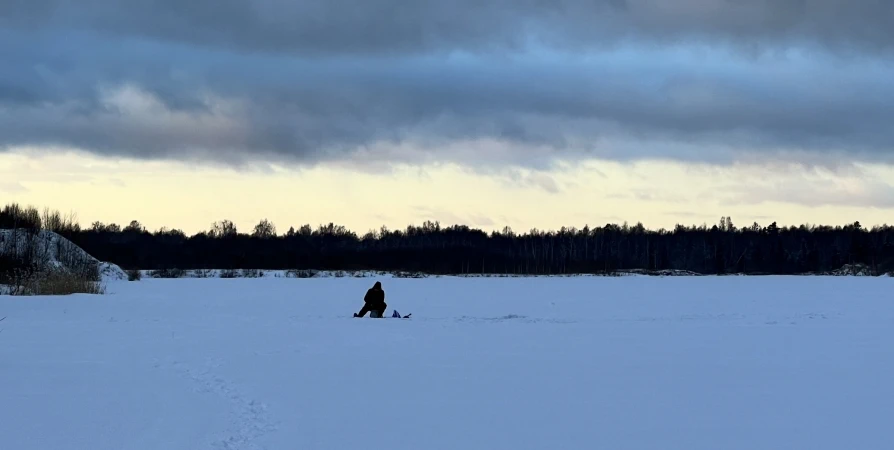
[(397, 26), (330, 80)]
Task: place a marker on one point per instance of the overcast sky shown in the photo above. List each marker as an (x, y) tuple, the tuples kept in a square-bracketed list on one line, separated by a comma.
[(794, 97)]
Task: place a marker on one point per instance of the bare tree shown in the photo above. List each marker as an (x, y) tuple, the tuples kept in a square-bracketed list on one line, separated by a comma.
[(264, 230), (224, 228)]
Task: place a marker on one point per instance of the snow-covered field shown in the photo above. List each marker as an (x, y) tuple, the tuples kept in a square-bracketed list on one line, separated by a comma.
[(484, 363)]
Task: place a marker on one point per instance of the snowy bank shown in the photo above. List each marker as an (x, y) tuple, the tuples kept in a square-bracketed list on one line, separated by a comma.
[(314, 273), (858, 270), (48, 251)]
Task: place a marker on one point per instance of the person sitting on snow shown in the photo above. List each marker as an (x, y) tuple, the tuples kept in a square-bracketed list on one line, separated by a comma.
[(373, 302)]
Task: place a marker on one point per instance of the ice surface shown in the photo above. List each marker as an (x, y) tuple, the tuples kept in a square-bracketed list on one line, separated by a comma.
[(484, 363)]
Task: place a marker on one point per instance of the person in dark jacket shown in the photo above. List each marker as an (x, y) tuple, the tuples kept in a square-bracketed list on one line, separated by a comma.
[(373, 302)]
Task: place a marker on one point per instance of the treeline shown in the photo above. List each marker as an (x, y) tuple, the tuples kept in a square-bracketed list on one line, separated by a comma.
[(723, 248)]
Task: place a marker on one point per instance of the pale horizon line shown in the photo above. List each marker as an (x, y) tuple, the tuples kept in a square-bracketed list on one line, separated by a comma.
[(87, 225)]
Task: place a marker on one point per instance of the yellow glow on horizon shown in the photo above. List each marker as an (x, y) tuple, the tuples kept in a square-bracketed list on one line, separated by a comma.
[(659, 194)]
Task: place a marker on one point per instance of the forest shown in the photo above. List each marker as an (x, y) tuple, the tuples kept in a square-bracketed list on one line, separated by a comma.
[(722, 248)]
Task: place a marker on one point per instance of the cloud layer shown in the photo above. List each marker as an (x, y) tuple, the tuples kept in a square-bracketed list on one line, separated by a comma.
[(326, 27), (493, 82)]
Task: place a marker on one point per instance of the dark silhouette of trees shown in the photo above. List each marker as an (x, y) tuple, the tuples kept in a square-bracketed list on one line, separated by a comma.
[(719, 249)]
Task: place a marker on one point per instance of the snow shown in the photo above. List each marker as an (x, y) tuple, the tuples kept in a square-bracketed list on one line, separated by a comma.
[(306, 273), (53, 251), (260, 273), (485, 363)]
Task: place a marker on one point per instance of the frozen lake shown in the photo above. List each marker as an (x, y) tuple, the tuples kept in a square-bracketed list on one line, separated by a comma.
[(684, 363)]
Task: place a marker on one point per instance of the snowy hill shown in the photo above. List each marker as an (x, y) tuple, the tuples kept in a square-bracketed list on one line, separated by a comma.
[(52, 251)]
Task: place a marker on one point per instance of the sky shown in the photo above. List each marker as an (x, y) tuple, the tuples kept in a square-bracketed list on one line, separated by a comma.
[(489, 113)]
